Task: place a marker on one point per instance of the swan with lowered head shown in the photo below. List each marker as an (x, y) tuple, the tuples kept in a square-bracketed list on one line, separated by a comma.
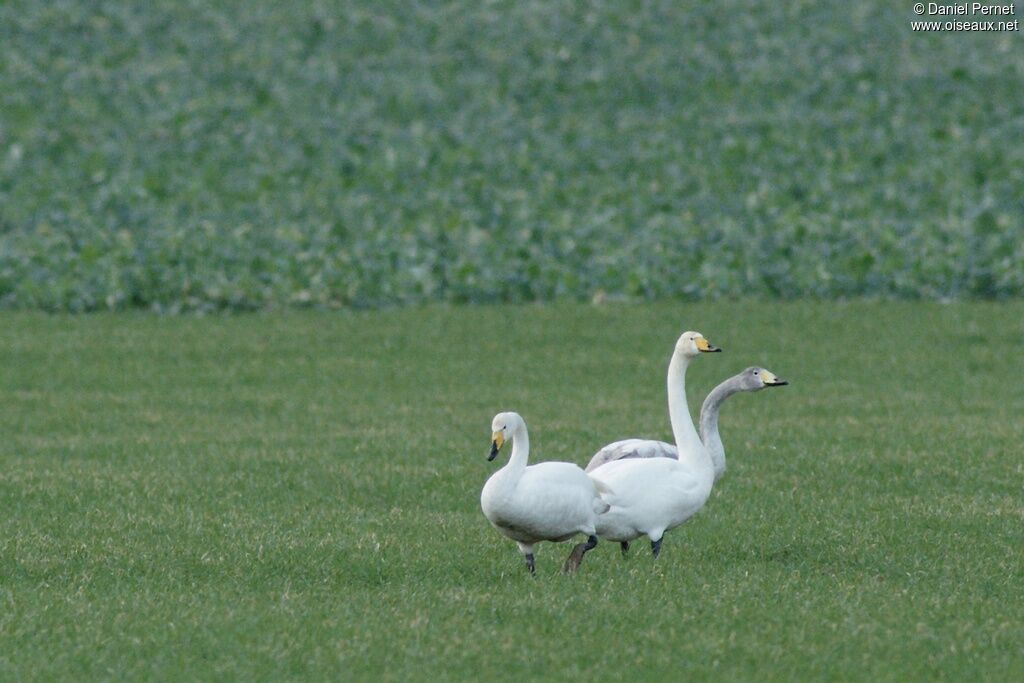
[(752, 379), (654, 495), (549, 501)]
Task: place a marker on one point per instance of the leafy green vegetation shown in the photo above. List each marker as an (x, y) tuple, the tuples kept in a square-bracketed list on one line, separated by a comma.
[(295, 496), (178, 156)]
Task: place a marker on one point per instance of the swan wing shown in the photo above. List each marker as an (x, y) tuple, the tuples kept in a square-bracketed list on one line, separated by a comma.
[(653, 493), (554, 499)]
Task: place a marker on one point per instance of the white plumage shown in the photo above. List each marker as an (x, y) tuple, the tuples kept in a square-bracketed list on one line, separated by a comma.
[(549, 501), (654, 495)]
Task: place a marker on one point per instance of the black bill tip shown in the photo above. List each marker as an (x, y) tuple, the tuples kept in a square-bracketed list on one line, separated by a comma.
[(494, 451)]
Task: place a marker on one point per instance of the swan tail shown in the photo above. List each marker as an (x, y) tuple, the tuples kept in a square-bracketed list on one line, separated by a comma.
[(604, 492), (602, 488)]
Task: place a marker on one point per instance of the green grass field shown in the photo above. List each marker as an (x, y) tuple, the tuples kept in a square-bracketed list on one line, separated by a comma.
[(296, 496)]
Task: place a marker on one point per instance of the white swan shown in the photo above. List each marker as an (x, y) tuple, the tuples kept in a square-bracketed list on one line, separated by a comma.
[(550, 501), (654, 495), (751, 379)]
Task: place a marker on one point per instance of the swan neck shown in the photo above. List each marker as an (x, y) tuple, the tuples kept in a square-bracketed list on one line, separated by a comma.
[(709, 422), (688, 442), (520, 450)]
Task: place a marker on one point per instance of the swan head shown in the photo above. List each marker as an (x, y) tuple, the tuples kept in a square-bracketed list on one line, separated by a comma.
[(503, 427), (692, 344), (756, 378)]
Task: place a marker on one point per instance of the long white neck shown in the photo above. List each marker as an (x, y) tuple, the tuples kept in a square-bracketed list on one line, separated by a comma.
[(688, 442), (520, 451), (709, 422)]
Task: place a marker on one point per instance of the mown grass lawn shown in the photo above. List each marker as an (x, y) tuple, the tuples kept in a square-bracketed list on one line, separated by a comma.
[(296, 496)]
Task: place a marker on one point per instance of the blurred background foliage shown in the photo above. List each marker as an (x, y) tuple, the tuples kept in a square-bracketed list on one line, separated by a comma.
[(178, 155)]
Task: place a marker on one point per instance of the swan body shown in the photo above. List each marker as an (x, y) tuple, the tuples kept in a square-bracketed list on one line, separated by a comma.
[(654, 495), (751, 379), (550, 501), (651, 497)]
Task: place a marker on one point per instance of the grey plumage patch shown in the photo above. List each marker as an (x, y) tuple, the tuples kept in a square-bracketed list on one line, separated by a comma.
[(632, 449)]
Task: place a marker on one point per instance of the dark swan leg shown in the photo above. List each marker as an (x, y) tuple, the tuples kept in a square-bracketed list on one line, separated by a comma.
[(656, 548), (529, 563), (576, 556), (624, 546)]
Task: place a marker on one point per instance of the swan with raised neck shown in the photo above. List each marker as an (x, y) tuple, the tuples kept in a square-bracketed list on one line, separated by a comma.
[(654, 495)]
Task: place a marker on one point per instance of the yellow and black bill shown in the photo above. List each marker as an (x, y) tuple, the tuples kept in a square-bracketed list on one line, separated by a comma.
[(497, 441), (704, 346)]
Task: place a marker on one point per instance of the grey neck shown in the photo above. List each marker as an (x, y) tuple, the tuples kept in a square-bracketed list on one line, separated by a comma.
[(709, 421)]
